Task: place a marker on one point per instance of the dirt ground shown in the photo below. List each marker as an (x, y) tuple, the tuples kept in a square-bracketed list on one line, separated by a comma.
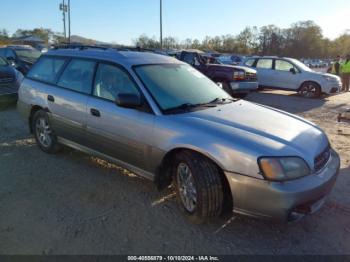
[(71, 203)]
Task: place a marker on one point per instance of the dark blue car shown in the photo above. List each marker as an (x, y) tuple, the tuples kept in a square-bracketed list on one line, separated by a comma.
[(10, 80)]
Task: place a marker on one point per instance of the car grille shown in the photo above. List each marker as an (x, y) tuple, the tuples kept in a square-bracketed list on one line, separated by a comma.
[(6, 79), (322, 159), (250, 76)]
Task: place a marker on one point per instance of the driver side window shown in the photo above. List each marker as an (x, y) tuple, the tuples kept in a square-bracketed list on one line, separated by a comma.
[(111, 80), (282, 65)]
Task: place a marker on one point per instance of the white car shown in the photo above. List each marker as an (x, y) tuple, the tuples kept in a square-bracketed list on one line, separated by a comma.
[(291, 74)]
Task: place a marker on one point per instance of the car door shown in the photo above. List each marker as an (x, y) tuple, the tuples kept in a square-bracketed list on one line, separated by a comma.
[(122, 133), (264, 67), (286, 75), (67, 101)]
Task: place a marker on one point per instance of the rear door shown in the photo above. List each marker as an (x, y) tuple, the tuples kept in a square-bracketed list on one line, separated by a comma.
[(264, 67), (286, 75), (123, 133), (66, 85)]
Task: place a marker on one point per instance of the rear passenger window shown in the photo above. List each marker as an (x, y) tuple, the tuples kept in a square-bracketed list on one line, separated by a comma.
[(264, 64), (78, 76), (46, 69)]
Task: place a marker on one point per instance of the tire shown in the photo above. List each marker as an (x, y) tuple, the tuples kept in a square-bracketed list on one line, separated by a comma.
[(205, 179), (44, 135), (310, 90)]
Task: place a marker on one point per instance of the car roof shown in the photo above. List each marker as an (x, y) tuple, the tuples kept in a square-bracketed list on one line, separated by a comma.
[(267, 57), (126, 58)]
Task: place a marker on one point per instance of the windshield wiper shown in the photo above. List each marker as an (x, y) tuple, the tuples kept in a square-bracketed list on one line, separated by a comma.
[(187, 107), (220, 100)]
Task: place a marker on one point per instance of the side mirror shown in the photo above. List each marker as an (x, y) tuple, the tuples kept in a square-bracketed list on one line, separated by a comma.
[(293, 71), (128, 100)]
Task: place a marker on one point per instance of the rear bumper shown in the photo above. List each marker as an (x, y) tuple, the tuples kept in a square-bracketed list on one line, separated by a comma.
[(243, 87), (283, 201)]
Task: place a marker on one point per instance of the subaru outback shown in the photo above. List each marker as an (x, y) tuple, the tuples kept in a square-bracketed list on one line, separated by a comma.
[(162, 119)]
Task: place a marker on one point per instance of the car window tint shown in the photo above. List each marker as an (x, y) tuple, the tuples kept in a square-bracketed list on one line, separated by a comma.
[(46, 69), (250, 62), (3, 62), (189, 58), (78, 76), (10, 53), (264, 64), (3, 52), (111, 81), (282, 65)]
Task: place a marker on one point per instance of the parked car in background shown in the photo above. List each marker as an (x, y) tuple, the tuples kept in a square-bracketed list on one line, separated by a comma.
[(236, 80), (23, 57), (10, 80), (291, 74), (164, 120), (231, 59)]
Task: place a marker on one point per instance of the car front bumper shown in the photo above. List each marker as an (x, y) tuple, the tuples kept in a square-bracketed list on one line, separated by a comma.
[(283, 201), (243, 87), (332, 87)]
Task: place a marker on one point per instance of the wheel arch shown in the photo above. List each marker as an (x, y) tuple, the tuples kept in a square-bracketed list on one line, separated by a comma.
[(310, 81), (163, 175), (33, 110)]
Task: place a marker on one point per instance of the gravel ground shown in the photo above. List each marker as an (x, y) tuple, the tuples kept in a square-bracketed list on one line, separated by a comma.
[(71, 203)]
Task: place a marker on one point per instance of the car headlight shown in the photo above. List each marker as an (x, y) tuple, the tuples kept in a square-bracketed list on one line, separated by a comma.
[(283, 168), (329, 78), (238, 75)]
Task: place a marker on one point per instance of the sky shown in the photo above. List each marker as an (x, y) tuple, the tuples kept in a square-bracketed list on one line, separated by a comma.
[(121, 21)]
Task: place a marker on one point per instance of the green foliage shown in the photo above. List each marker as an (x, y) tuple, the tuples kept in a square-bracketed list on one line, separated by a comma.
[(301, 40)]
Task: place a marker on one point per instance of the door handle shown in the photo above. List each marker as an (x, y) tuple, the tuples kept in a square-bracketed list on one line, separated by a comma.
[(95, 112), (51, 98)]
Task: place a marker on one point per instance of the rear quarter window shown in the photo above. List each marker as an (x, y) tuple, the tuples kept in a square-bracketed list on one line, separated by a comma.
[(47, 69)]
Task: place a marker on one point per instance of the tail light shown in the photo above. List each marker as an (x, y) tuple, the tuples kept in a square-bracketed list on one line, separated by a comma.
[(239, 75)]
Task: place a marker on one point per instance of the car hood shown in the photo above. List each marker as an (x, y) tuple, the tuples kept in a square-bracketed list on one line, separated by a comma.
[(265, 131)]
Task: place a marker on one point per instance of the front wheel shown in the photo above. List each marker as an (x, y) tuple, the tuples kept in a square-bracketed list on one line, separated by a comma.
[(198, 187), (310, 90), (43, 133)]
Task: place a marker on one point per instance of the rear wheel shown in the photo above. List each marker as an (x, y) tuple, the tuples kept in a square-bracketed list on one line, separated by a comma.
[(310, 90), (43, 133), (198, 187)]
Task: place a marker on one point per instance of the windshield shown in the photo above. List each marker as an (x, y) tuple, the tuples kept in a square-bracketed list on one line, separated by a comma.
[(301, 65), (28, 54), (3, 62), (173, 85)]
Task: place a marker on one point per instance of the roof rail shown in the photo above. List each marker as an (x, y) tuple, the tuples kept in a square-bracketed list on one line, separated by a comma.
[(102, 47), (78, 46)]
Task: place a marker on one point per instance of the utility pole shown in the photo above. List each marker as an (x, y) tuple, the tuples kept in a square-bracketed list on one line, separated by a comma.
[(68, 21), (161, 24), (63, 8)]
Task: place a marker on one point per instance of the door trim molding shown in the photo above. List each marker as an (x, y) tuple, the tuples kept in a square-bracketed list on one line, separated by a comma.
[(136, 170)]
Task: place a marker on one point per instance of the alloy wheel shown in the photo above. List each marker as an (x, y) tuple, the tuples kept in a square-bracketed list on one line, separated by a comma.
[(187, 190), (43, 132)]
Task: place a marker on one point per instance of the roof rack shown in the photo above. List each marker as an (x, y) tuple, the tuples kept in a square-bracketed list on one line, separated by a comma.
[(78, 46), (102, 47)]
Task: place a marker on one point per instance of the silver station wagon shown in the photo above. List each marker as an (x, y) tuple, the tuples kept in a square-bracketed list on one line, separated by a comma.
[(162, 119)]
